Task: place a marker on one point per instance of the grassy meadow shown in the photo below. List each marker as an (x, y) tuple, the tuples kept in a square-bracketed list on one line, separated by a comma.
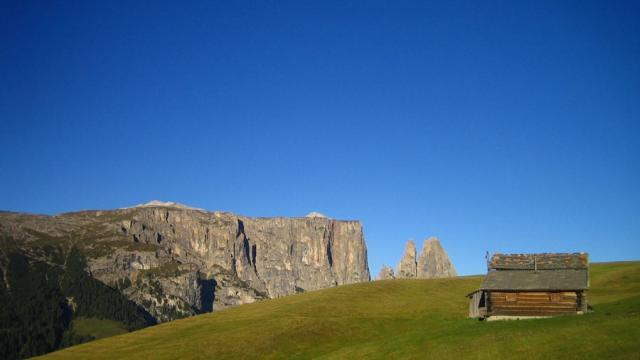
[(412, 319)]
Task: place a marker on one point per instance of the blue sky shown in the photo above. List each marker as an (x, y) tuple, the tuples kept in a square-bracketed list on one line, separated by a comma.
[(496, 126)]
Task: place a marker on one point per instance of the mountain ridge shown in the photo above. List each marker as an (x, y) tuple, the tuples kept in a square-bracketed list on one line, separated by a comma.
[(181, 261)]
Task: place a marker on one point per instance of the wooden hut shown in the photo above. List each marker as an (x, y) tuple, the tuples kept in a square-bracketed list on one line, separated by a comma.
[(526, 285)]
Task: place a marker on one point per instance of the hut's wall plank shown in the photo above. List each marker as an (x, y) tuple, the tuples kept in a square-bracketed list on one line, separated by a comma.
[(474, 302), (533, 303)]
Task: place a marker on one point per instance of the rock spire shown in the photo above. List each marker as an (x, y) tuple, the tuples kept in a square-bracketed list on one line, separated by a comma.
[(408, 267), (386, 273), (433, 261)]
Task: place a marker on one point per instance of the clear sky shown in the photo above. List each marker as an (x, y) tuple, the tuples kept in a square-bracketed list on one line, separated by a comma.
[(505, 126)]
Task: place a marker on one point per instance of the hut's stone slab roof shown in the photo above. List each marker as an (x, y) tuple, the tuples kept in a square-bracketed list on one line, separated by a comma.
[(545, 261)]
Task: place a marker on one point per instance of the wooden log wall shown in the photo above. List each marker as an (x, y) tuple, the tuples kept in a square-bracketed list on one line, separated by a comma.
[(474, 301), (533, 303)]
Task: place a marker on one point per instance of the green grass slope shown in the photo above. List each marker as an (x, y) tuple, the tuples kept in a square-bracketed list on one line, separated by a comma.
[(97, 328), (393, 319)]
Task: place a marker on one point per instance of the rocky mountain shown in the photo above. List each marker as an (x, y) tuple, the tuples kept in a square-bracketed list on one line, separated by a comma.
[(177, 261), (433, 261), (386, 273), (315, 214), (408, 267)]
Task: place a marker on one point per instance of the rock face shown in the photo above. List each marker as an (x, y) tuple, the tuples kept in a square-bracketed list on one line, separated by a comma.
[(386, 273), (407, 268), (434, 261), (177, 261)]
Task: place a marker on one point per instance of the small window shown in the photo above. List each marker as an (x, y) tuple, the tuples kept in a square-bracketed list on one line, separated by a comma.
[(512, 297)]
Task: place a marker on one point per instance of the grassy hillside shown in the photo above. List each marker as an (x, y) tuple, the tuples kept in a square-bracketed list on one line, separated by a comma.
[(97, 328), (393, 319)]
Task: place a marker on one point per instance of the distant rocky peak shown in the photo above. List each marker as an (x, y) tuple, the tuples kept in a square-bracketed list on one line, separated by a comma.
[(431, 242), (158, 203), (407, 268), (433, 261), (386, 273), (315, 214)]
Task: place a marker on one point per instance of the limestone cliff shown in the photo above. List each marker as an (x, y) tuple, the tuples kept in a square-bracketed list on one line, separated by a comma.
[(177, 261)]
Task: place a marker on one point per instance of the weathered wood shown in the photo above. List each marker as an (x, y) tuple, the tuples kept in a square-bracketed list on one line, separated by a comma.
[(531, 296), (532, 310), (564, 301), (556, 303), (537, 308), (534, 294), (529, 306), (520, 300), (582, 301), (525, 295), (474, 301), (532, 313), (541, 307), (519, 304), (534, 285), (533, 303)]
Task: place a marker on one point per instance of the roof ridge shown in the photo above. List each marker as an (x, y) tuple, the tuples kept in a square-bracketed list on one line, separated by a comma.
[(539, 261)]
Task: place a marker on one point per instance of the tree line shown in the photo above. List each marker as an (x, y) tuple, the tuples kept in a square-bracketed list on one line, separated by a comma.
[(40, 300)]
